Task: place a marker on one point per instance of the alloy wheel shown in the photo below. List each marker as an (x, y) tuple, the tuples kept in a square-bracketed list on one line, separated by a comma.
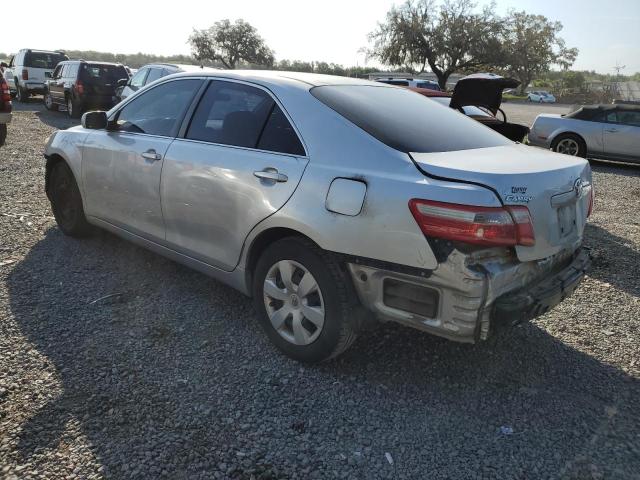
[(568, 146), (47, 101), (294, 302), (70, 107)]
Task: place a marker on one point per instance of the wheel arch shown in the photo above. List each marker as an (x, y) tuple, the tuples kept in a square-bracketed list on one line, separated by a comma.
[(559, 133)]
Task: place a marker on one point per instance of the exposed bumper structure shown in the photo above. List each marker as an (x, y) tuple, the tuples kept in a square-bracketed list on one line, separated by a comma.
[(467, 293)]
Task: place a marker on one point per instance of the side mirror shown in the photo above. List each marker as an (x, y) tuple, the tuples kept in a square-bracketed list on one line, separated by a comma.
[(123, 82), (94, 120)]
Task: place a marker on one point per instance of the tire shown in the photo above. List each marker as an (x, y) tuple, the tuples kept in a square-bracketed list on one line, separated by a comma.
[(570, 144), (66, 201), (331, 293), (22, 95), (73, 109), (48, 102), (3, 133)]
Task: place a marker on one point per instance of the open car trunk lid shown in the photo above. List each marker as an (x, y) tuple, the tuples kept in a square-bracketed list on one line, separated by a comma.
[(555, 188), (481, 90)]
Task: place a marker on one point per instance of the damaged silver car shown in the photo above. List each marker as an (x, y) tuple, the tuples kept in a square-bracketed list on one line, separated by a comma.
[(331, 201)]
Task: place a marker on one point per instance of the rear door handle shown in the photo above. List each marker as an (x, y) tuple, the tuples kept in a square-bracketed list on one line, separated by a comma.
[(151, 155), (611, 130), (271, 174)]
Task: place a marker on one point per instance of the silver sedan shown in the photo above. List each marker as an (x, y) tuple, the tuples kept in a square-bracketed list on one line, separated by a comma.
[(333, 202), (610, 132)]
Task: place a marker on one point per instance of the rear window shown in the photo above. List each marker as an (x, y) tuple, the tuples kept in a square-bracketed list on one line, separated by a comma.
[(43, 60), (101, 74), (407, 121)]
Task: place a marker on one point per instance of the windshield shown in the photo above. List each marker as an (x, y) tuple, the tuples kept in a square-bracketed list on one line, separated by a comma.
[(405, 120), (43, 60)]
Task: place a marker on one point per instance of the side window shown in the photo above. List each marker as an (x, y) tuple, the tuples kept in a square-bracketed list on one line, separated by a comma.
[(65, 69), (73, 70), (138, 79), (279, 136), (154, 74), (612, 117), (56, 72), (11, 64), (231, 114), (629, 118), (158, 111)]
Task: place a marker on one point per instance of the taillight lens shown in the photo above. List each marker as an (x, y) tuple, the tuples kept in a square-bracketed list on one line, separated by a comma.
[(5, 96), (490, 226), (79, 87), (592, 201), (25, 74)]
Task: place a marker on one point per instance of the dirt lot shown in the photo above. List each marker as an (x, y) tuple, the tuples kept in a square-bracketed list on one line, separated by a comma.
[(172, 378)]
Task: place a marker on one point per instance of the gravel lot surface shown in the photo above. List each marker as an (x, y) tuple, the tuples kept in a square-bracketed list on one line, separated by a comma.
[(171, 377)]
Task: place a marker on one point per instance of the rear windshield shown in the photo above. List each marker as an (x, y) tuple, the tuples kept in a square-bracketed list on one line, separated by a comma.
[(101, 74), (407, 121), (43, 60)]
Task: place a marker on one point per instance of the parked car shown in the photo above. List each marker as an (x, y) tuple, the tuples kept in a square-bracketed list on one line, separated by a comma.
[(541, 96), (479, 96), (410, 82), (610, 132), (29, 69), (331, 201), (5, 108), (78, 85), (148, 74)]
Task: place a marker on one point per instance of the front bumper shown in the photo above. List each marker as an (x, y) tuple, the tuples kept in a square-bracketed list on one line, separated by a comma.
[(472, 291)]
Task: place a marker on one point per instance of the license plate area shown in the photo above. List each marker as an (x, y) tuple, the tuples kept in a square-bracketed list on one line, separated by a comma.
[(566, 220)]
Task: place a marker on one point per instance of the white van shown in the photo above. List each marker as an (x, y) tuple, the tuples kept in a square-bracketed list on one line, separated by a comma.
[(29, 69)]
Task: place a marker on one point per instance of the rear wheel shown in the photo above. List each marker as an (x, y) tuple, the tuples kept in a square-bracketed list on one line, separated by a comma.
[(22, 95), (73, 109), (3, 133), (570, 144), (66, 202), (48, 102), (301, 295)]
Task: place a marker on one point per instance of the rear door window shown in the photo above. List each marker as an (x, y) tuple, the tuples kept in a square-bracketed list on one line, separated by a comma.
[(73, 70), (154, 74), (279, 136), (160, 110), (627, 117), (138, 79), (231, 114)]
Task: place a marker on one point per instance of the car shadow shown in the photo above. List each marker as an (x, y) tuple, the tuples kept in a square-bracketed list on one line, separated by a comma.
[(153, 357), (617, 168)]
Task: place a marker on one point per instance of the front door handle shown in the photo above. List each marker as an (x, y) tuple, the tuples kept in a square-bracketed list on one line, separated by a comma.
[(612, 130), (151, 155), (271, 174)]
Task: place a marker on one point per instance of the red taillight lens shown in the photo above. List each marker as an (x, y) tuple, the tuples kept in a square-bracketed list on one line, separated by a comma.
[(592, 201), (490, 226), (79, 87), (25, 74)]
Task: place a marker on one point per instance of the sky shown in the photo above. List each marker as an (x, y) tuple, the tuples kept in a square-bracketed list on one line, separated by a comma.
[(605, 31)]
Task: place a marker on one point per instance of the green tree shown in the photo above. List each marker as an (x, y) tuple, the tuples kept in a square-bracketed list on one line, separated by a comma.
[(531, 45), (231, 43), (448, 37)]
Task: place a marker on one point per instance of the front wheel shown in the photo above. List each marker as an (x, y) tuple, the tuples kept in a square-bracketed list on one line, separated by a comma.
[(22, 95), (570, 144), (303, 300), (66, 202)]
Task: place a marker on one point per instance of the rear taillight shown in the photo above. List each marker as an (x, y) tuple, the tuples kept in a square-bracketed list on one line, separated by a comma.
[(5, 96), (592, 200), (490, 226), (79, 87), (25, 74)]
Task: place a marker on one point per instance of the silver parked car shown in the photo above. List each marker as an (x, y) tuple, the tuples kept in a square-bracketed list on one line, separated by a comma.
[(331, 201), (610, 132)]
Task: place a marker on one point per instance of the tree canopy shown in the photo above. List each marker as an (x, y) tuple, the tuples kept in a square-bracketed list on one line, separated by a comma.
[(230, 43)]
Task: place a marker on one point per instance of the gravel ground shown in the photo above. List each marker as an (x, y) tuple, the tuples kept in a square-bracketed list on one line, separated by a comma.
[(172, 378)]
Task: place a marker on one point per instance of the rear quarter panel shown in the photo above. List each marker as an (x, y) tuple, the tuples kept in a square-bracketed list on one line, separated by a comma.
[(551, 127)]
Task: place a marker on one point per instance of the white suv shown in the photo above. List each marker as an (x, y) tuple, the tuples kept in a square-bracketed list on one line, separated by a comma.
[(29, 69)]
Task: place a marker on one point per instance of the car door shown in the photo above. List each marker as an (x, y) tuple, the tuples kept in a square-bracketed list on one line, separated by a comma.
[(238, 162), (135, 84), (622, 134), (121, 166), (52, 84)]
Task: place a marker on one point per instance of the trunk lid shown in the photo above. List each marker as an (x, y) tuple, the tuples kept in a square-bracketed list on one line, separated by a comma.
[(481, 90), (555, 188)]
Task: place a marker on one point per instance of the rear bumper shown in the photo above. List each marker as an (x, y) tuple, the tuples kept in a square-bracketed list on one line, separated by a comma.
[(466, 294), (535, 141), (98, 101), (34, 87), (539, 297)]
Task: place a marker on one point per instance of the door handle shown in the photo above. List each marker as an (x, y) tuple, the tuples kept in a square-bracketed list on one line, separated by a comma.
[(271, 174), (151, 155), (612, 130)]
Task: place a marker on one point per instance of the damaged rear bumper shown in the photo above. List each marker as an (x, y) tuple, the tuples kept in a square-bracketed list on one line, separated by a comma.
[(467, 293)]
